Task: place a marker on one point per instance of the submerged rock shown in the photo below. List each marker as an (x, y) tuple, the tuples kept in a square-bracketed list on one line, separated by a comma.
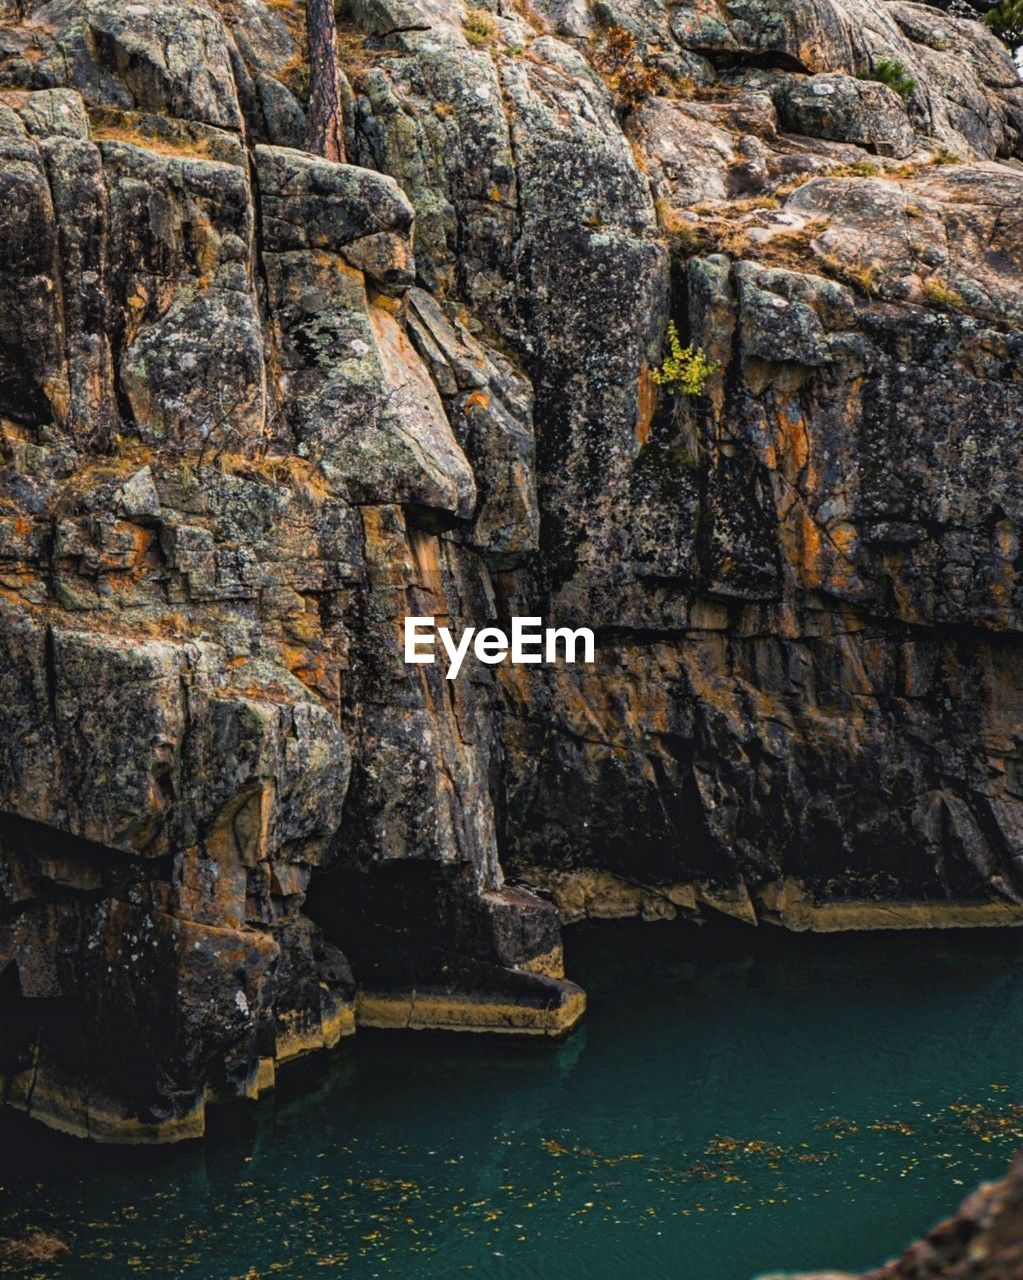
[(982, 1241)]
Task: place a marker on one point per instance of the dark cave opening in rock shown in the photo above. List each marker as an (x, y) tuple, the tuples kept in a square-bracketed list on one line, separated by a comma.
[(429, 948)]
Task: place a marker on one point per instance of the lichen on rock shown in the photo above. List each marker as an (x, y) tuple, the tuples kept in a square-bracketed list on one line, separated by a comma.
[(257, 406)]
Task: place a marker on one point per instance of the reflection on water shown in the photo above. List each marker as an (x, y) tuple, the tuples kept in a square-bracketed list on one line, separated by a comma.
[(720, 1112)]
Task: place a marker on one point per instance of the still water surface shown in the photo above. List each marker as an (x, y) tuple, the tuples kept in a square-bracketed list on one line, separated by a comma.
[(721, 1112)]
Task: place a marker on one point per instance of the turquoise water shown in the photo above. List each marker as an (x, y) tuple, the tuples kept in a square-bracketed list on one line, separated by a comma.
[(721, 1112)]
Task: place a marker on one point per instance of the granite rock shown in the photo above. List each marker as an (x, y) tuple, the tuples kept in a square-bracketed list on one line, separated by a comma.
[(257, 407)]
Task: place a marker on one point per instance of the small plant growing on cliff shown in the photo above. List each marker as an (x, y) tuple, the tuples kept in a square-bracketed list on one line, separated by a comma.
[(893, 73), (858, 169), (865, 278), (1006, 21), (616, 57), (480, 27), (939, 293), (685, 370)]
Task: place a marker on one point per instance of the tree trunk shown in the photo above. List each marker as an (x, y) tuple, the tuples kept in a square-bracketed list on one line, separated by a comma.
[(325, 130)]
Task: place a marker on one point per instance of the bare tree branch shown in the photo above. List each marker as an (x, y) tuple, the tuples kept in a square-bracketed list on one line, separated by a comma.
[(325, 130)]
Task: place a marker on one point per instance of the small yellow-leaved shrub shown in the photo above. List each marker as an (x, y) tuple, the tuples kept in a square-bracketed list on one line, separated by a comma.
[(685, 371)]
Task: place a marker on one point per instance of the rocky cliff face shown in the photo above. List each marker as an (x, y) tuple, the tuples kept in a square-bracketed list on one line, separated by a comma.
[(256, 407)]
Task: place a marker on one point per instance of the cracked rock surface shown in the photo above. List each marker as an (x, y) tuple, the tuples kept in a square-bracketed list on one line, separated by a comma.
[(257, 407)]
